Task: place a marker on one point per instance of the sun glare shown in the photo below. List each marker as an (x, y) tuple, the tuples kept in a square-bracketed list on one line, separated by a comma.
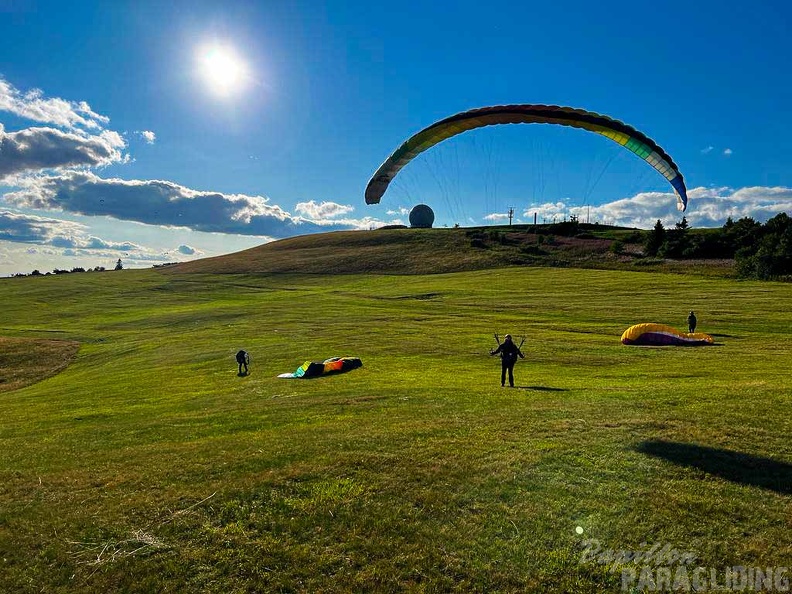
[(221, 68)]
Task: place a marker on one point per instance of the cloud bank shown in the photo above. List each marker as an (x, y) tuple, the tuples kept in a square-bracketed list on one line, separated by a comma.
[(24, 228), (32, 105), (35, 149), (159, 202), (49, 169), (53, 243), (707, 207)]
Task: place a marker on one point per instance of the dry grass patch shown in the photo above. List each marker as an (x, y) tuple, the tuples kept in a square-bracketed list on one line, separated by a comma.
[(25, 361)]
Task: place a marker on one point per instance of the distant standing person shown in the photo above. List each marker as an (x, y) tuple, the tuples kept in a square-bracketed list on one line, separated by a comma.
[(692, 322), (509, 353), (243, 359)]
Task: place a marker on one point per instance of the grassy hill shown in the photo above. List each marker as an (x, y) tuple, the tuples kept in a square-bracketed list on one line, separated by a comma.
[(396, 251), (432, 251), (148, 465)]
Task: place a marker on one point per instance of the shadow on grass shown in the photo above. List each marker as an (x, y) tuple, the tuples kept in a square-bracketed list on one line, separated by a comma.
[(542, 388), (732, 466)]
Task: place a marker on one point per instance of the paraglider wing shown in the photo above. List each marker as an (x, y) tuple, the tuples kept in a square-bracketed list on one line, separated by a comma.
[(619, 132), (662, 335), (330, 366)]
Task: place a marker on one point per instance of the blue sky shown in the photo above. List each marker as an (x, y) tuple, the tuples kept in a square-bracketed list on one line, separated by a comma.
[(117, 140)]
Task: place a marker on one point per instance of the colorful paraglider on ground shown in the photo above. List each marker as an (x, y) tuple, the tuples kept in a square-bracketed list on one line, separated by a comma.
[(661, 335), (619, 132), (326, 367)]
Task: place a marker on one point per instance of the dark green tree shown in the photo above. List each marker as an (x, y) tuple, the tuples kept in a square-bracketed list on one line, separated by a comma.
[(744, 233), (655, 239), (677, 242), (769, 256)]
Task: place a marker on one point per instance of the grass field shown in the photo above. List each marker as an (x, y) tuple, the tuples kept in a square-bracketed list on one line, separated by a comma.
[(148, 465)]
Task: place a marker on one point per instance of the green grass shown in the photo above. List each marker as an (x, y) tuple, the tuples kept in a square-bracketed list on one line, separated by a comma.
[(147, 465)]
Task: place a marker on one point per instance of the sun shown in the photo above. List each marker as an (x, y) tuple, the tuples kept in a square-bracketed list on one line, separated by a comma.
[(222, 69)]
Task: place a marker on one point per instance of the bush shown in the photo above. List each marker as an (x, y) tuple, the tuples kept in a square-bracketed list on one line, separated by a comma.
[(532, 250), (565, 228), (497, 236), (634, 237)]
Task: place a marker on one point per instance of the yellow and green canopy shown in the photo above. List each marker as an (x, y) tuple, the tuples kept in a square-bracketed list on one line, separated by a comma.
[(619, 132)]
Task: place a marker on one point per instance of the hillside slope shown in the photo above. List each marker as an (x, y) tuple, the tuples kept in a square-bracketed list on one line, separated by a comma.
[(399, 251), (403, 251), (433, 251)]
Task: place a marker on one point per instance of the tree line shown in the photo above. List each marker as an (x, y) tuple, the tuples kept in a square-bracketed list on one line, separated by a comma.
[(760, 251), (119, 266)]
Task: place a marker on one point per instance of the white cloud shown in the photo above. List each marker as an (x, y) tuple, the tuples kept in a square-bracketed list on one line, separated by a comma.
[(707, 150), (147, 135), (707, 207), (82, 140), (712, 206), (728, 152), (320, 211), (497, 216), (401, 211), (351, 224), (35, 149), (32, 105), (141, 254), (187, 250), (96, 243), (548, 212)]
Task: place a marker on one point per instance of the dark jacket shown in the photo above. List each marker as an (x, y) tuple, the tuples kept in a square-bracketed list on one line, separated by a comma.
[(508, 352)]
